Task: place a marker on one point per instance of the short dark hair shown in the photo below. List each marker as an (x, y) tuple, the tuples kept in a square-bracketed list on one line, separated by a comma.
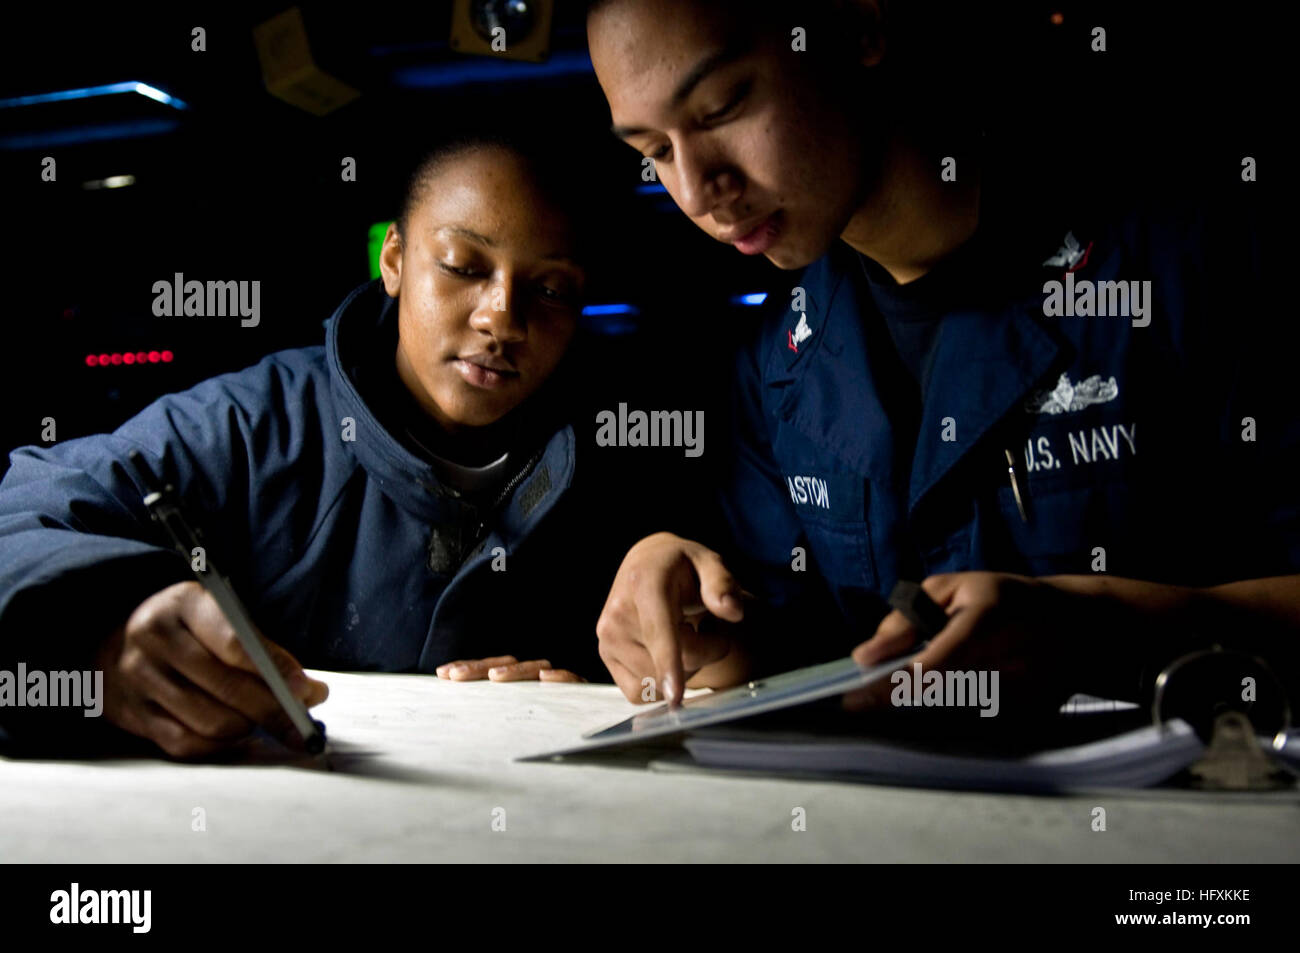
[(561, 184), (749, 20)]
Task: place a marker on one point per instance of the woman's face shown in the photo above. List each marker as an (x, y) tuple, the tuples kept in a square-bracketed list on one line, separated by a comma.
[(755, 141), (489, 289)]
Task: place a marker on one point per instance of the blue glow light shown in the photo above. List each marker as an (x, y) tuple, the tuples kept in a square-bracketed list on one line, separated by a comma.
[(753, 298), (593, 310), (89, 92), (612, 327), (488, 70), (80, 134), (167, 99), (654, 188)]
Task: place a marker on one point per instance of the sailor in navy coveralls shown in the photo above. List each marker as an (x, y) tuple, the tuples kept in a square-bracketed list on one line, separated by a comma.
[(1061, 418)]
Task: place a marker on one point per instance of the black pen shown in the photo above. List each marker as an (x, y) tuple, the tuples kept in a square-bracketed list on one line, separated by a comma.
[(165, 507), (919, 609)]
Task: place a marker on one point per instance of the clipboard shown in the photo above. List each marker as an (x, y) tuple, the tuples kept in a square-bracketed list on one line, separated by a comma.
[(787, 690)]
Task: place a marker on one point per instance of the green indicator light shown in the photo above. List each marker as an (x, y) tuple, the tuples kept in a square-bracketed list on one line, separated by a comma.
[(376, 244)]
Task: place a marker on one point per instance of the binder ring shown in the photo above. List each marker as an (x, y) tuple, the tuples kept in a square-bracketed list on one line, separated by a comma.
[(1168, 672)]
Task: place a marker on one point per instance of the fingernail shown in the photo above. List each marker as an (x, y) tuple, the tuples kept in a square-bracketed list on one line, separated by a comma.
[(670, 685), (297, 680)]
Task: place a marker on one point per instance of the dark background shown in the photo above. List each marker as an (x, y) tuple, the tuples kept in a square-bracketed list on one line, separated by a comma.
[(244, 186)]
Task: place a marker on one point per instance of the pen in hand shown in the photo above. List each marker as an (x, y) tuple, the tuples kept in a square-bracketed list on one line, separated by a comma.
[(164, 506)]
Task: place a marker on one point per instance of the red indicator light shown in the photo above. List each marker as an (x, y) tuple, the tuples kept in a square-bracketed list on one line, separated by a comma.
[(129, 357)]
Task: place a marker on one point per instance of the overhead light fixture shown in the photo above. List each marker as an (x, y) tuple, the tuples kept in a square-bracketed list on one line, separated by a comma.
[(90, 92), (112, 182)]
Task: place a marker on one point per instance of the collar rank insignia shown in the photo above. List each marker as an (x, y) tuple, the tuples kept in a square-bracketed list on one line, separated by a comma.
[(1070, 256), (800, 333)]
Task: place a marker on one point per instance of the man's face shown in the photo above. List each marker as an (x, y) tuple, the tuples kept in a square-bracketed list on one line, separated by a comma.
[(489, 291), (750, 138)]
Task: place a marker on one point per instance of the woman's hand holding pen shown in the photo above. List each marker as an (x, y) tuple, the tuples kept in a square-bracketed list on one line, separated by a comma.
[(176, 674)]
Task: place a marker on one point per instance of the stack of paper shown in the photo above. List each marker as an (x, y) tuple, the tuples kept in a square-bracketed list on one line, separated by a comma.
[(1137, 758)]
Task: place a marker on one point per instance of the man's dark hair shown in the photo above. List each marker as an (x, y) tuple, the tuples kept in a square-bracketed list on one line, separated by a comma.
[(937, 51)]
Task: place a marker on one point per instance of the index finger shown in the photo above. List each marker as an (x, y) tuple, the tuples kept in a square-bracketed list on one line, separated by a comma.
[(660, 615), (210, 627)]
